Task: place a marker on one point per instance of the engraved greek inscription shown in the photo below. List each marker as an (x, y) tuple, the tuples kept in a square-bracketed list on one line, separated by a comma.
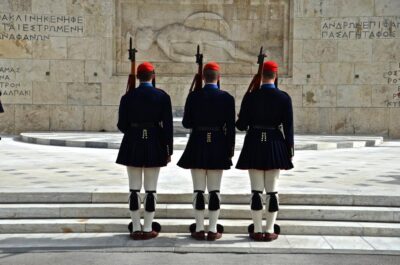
[(393, 78), (367, 28), (10, 86), (35, 27)]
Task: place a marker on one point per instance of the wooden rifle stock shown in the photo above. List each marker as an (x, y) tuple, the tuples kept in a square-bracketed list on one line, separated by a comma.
[(197, 82), (132, 76), (256, 81)]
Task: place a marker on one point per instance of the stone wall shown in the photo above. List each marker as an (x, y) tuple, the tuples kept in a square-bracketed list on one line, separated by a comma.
[(63, 63)]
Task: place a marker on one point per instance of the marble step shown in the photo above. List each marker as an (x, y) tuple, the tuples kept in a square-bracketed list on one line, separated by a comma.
[(288, 227), (320, 198), (182, 243), (228, 211)]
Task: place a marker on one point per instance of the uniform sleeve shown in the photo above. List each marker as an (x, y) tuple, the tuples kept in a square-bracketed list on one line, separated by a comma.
[(187, 121), (243, 121), (288, 126), (230, 126), (168, 125), (122, 116)]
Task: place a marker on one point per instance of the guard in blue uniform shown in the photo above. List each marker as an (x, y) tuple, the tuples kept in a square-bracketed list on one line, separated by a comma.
[(145, 118), (267, 148), (210, 114)]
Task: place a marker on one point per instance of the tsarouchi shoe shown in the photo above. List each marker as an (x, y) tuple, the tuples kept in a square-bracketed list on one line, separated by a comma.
[(270, 236), (137, 235), (149, 235), (257, 236), (201, 235), (211, 236)]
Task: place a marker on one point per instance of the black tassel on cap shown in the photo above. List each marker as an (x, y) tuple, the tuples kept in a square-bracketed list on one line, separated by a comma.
[(214, 203), (273, 202), (134, 200), (256, 201), (200, 204), (150, 205)]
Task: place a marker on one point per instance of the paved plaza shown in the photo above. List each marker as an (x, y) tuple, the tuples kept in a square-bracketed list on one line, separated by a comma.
[(31, 167)]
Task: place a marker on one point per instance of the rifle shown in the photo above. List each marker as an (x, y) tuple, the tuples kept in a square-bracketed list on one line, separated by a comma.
[(256, 82), (132, 76), (197, 82)]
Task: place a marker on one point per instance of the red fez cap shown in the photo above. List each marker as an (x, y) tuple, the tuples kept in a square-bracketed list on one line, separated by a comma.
[(270, 66), (212, 66), (145, 67)]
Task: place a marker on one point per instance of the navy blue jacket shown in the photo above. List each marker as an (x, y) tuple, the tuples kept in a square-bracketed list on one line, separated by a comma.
[(1, 106), (145, 118), (210, 113), (262, 113)]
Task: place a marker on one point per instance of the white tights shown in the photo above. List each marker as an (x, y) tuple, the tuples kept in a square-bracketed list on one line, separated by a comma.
[(260, 180), (211, 179), (136, 176)]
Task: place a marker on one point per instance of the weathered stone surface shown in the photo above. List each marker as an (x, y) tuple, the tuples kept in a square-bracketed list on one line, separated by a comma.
[(99, 26), (177, 92), (66, 118), (31, 118), (84, 48), (387, 8), (370, 73), (49, 93), (112, 93), (354, 96), (20, 5), (100, 118), (307, 28), (306, 73), (315, 8), (386, 50), (54, 48), (308, 120), (93, 118), (58, 7), (298, 51), (15, 49), (355, 7), (90, 7), (98, 71), (336, 73), (385, 96), (7, 119), (110, 118), (319, 51), (355, 51), (361, 121), (67, 71), (319, 96), (84, 93)]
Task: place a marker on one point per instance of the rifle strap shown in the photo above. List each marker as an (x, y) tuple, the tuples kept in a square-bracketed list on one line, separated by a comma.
[(193, 83), (130, 83), (251, 84)]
